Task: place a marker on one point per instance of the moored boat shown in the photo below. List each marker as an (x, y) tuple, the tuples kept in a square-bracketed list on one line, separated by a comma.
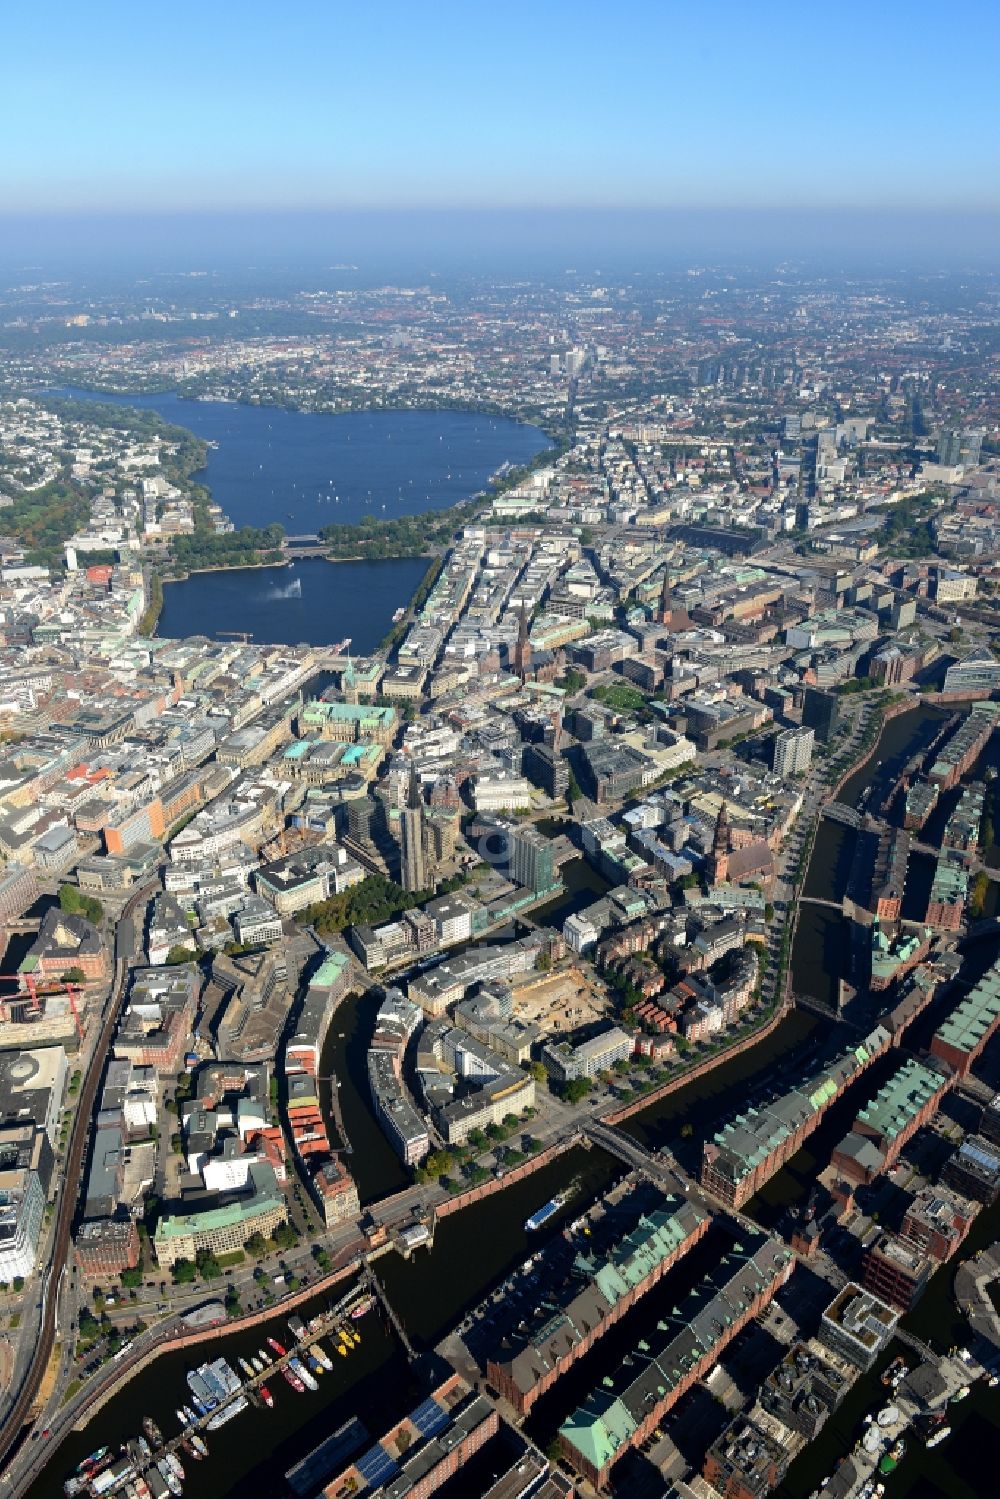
[(152, 1431), (299, 1368), (276, 1346), (169, 1477), (293, 1379), (363, 1306), (321, 1356), (199, 1444), (265, 1395)]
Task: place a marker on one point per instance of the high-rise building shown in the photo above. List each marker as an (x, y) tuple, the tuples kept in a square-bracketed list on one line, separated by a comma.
[(819, 712), (793, 750), (546, 768), (959, 447), (532, 859), (413, 865)]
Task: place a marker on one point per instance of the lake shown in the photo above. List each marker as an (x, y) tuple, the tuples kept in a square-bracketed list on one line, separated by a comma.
[(311, 601), (310, 469)]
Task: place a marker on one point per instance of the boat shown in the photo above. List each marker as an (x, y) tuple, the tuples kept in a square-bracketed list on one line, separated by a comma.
[(893, 1369), (247, 1367), (959, 1395), (188, 1446), (265, 1359), (888, 1415), (174, 1463), (152, 1431), (299, 1368), (192, 1417), (169, 1477), (145, 1450), (293, 1379), (939, 1436), (398, 615), (273, 1343), (257, 1364), (233, 1408), (341, 1349), (199, 1444), (363, 1306), (182, 1417), (266, 1396), (297, 1328), (141, 1488), (321, 1356), (312, 1364), (86, 1470), (544, 1213)]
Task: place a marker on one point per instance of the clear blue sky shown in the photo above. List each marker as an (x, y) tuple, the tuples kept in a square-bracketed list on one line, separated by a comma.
[(276, 104)]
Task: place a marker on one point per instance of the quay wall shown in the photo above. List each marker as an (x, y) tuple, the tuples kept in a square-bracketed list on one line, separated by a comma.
[(518, 1173), (699, 1069)]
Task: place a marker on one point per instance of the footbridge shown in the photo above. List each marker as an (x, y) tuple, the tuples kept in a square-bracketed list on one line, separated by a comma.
[(850, 817)]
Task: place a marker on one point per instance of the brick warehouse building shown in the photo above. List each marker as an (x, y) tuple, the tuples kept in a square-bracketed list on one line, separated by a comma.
[(748, 1150), (628, 1405), (595, 1294)]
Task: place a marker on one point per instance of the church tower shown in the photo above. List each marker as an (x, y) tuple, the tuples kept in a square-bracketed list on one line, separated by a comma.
[(719, 862), (413, 869), (522, 650)]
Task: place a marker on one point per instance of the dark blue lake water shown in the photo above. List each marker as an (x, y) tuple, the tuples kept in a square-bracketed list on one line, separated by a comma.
[(311, 469), (312, 601)]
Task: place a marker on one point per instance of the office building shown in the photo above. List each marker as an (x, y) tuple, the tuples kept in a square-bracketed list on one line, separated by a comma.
[(820, 713), (547, 769), (858, 1326), (532, 859)]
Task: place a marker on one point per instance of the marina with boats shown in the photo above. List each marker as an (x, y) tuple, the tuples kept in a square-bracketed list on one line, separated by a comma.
[(152, 1465)]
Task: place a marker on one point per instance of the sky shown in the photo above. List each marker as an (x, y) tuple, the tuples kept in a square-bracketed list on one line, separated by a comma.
[(238, 105)]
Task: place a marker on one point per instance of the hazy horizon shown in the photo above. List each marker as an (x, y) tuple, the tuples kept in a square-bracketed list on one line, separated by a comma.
[(501, 241)]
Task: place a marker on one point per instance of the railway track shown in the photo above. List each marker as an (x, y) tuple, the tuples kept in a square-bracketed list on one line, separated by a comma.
[(17, 1424)]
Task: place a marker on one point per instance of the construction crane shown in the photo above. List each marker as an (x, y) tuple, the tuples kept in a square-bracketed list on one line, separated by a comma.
[(35, 990)]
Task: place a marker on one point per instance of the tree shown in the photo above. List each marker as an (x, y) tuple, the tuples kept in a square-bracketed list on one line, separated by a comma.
[(538, 1072), (207, 1264), (75, 903), (576, 1090), (131, 1277), (285, 1236), (184, 1272), (74, 976), (256, 1245), (179, 954)]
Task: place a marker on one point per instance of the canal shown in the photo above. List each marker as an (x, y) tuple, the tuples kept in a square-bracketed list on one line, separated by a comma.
[(477, 1247), (474, 1249), (372, 1162)]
